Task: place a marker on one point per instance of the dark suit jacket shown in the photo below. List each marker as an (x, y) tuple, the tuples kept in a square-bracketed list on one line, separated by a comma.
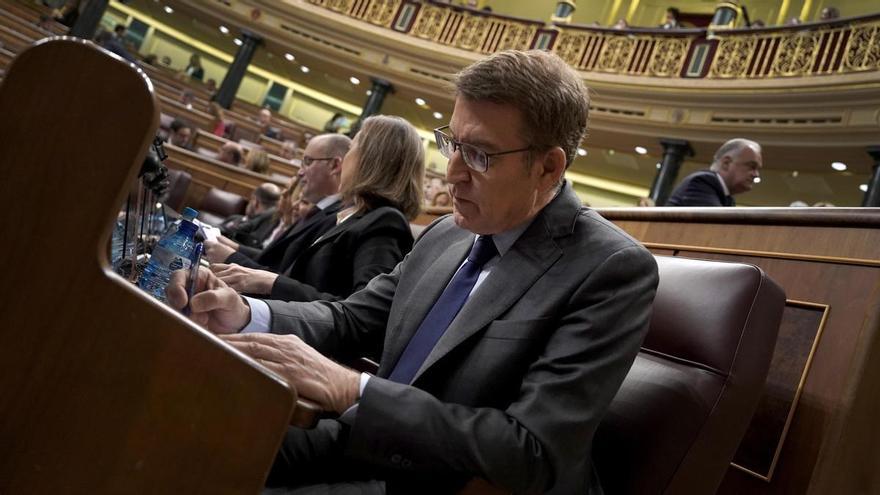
[(700, 189), (251, 232), (516, 386), (278, 255), (345, 258)]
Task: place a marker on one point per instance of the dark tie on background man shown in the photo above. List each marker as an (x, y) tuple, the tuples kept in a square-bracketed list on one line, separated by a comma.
[(444, 311)]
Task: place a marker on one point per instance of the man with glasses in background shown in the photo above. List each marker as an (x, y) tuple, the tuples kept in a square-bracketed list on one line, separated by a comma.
[(319, 178), (503, 335)]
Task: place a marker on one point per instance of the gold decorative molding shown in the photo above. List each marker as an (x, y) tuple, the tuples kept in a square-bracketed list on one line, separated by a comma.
[(814, 49)]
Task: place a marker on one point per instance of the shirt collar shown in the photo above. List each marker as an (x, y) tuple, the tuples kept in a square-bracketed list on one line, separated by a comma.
[(723, 185), (327, 201)]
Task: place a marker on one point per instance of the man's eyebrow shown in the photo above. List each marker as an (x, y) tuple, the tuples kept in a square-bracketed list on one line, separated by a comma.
[(473, 142)]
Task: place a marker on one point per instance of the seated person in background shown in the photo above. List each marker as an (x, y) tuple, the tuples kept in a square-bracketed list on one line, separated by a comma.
[(735, 166), (194, 68), (436, 187), (112, 42), (319, 179), (442, 199), (219, 122), (211, 85), (380, 188), (288, 150), (621, 24), (504, 334), (231, 153), (181, 134), (187, 98), (264, 118), (257, 161), (259, 218)]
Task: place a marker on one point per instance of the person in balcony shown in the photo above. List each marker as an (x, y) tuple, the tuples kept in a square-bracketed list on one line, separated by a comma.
[(672, 16), (735, 166), (621, 24), (829, 13)]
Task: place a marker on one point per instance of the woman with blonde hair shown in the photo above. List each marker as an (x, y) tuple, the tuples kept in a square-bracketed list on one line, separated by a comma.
[(257, 161), (381, 188)]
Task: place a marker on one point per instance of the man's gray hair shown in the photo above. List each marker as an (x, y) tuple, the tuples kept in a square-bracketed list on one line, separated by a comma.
[(731, 147), (549, 94)]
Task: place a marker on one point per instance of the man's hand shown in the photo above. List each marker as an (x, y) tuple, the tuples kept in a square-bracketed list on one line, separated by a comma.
[(217, 252), (228, 242), (314, 376), (215, 305), (245, 280)]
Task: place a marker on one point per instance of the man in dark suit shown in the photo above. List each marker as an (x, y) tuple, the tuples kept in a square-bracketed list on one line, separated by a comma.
[(735, 166), (503, 335), (319, 177), (259, 219)]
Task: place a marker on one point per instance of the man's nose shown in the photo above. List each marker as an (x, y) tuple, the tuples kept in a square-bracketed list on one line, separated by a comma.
[(457, 170)]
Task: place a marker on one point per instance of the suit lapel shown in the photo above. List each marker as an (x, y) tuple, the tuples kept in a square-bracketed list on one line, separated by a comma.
[(427, 290), (527, 260)]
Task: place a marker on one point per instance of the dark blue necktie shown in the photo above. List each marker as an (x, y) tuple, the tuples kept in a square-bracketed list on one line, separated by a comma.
[(443, 311)]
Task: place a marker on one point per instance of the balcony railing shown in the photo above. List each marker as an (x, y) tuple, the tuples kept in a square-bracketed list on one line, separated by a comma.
[(843, 46)]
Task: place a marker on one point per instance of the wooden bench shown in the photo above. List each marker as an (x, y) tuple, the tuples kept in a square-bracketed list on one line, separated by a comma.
[(213, 143), (207, 173)]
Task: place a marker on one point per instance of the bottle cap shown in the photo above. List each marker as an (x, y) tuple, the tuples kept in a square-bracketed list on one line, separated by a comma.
[(189, 214)]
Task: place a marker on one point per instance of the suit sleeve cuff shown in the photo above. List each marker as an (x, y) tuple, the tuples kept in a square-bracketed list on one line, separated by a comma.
[(261, 317)]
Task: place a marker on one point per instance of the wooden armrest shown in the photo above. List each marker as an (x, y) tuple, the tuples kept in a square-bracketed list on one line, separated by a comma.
[(306, 414)]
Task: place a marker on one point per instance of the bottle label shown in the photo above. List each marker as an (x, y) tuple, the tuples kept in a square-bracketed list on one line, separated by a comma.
[(169, 259)]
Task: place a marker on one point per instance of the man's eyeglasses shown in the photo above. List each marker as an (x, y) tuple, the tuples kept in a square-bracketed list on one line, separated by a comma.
[(474, 157), (307, 160)]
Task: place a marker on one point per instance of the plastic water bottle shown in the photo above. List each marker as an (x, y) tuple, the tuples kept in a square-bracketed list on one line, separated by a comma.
[(173, 252)]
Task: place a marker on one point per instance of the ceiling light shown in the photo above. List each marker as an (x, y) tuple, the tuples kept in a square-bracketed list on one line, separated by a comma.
[(369, 92), (582, 152), (659, 165), (756, 180), (304, 69), (611, 152), (224, 29), (237, 41), (169, 10), (863, 187), (438, 115), (420, 102), (794, 174), (354, 80), (839, 166), (289, 57), (641, 150)]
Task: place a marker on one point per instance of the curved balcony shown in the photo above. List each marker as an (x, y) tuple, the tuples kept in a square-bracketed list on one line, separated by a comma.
[(842, 47)]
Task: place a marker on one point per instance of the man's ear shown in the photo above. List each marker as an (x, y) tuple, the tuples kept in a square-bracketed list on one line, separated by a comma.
[(552, 168), (725, 162), (336, 168)]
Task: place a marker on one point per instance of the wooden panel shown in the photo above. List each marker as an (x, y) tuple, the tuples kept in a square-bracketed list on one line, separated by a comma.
[(824, 258), (102, 388)]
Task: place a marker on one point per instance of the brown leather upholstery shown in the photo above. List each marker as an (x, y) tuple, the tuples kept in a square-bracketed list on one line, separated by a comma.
[(178, 183), (684, 406), (218, 204)]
